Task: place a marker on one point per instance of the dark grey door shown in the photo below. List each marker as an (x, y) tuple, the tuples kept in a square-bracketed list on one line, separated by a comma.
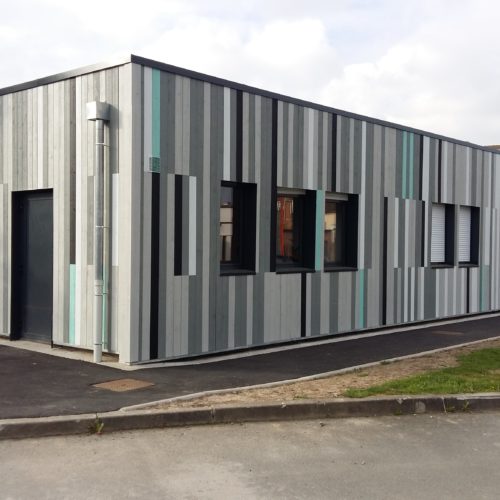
[(32, 252)]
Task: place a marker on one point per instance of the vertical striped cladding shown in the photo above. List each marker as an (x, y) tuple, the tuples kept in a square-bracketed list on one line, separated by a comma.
[(304, 149), (199, 311), (46, 142), (210, 133), (167, 295)]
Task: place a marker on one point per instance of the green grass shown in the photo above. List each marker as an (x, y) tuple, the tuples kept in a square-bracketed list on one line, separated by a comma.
[(478, 371)]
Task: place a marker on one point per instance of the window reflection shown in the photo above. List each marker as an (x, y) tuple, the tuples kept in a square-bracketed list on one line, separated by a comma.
[(237, 227), (334, 232), (289, 230), (227, 224)]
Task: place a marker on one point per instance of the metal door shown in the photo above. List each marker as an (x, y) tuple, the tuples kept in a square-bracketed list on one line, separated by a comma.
[(32, 266)]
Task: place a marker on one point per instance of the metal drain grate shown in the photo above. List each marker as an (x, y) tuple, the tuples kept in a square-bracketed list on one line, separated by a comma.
[(123, 385)]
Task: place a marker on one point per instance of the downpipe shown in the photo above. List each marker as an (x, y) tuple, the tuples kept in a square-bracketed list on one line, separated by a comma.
[(98, 239), (98, 112)]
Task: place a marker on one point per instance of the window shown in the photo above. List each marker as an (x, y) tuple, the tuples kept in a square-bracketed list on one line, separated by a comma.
[(464, 230), (290, 210), (229, 244), (334, 232), (295, 237), (442, 234), (468, 235), (237, 227), (438, 233), (340, 231)]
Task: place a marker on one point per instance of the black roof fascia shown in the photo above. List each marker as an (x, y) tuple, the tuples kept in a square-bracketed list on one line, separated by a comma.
[(65, 75), (234, 85)]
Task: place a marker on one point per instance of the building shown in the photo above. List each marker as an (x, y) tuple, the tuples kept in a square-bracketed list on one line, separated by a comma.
[(230, 217)]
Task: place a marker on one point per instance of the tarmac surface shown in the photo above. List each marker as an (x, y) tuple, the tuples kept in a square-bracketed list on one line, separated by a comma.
[(447, 456), (36, 384)]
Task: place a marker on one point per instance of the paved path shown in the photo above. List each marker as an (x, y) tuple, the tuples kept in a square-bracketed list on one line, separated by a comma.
[(453, 456), (34, 384)]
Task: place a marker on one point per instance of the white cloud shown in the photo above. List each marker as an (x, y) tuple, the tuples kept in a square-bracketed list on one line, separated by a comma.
[(199, 44), (432, 64), (288, 43), (126, 20), (9, 34), (441, 78), (282, 56)]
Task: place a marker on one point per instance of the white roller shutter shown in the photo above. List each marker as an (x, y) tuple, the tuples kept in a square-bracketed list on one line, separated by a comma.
[(464, 231), (438, 233)]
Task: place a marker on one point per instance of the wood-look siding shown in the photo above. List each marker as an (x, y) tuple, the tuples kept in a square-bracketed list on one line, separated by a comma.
[(168, 297), (212, 134), (46, 142)]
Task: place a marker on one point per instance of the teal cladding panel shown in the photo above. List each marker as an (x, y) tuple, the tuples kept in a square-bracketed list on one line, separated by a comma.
[(320, 231), (155, 113), (72, 285), (404, 166)]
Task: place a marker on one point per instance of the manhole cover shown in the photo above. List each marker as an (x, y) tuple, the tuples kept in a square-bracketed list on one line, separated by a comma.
[(123, 384), (445, 332)]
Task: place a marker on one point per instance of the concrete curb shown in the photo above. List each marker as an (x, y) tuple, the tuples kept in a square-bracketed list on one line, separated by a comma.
[(296, 410), (317, 376)]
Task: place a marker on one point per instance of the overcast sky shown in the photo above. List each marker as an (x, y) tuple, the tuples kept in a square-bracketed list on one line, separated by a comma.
[(430, 64)]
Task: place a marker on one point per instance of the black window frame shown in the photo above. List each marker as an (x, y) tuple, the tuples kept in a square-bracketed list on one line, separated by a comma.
[(474, 237), (244, 228), (350, 208)]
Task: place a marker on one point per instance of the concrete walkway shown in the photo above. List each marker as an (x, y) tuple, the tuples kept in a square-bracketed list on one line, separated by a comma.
[(35, 384)]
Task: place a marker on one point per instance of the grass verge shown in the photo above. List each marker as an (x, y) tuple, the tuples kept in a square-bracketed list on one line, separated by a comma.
[(477, 371)]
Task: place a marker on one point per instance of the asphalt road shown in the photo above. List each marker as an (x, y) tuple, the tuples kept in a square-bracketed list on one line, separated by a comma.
[(35, 384), (453, 456)]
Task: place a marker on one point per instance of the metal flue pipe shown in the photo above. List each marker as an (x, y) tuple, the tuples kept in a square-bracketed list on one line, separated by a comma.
[(99, 113)]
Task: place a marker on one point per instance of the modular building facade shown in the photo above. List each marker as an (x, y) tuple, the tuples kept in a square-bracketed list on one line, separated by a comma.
[(233, 217)]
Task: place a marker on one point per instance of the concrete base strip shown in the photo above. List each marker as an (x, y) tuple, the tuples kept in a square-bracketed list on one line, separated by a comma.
[(296, 410)]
